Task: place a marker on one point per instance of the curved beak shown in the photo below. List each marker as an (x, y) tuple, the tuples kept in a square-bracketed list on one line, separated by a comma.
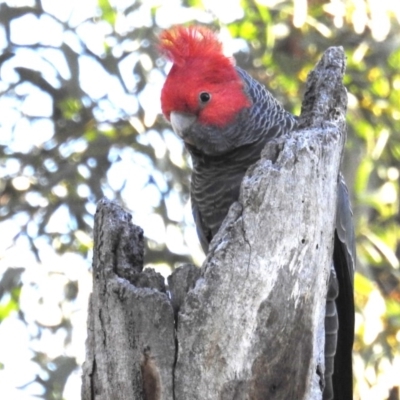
[(181, 123)]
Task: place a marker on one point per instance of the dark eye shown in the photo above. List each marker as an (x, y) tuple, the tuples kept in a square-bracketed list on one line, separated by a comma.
[(204, 97)]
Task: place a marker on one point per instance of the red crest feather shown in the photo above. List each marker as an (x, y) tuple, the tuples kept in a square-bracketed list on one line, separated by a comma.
[(183, 43)]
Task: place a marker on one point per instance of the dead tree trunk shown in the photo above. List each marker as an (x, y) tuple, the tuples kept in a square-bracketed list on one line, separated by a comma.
[(250, 323)]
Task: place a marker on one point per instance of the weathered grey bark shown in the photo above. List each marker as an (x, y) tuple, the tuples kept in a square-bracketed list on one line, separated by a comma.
[(131, 338), (252, 325)]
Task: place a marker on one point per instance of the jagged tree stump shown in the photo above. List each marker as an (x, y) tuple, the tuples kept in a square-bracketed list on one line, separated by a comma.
[(250, 323)]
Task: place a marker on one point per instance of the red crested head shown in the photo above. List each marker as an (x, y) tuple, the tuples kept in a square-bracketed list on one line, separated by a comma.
[(202, 81)]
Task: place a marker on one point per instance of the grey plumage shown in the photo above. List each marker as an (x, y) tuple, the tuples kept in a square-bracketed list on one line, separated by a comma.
[(217, 176), (344, 255)]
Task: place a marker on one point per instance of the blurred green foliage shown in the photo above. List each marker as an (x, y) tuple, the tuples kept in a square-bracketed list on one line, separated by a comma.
[(278, 42)]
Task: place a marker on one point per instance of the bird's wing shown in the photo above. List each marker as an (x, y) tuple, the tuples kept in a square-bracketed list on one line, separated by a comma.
[(203, 234), (344, 256)]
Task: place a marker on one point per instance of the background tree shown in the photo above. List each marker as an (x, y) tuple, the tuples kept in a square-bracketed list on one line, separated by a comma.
[(79, 119)]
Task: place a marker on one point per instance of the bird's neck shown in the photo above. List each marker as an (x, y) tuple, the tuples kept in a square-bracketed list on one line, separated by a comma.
[(246, 155)]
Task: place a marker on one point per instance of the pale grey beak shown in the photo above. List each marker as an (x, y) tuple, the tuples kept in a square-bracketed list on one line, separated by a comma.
[(181, 123)]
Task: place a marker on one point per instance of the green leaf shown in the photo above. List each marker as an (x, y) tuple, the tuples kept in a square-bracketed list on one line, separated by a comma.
[(363, 285), (108, 13)]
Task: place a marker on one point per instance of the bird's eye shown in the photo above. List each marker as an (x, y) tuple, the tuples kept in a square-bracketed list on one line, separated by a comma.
[(204, 97)]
